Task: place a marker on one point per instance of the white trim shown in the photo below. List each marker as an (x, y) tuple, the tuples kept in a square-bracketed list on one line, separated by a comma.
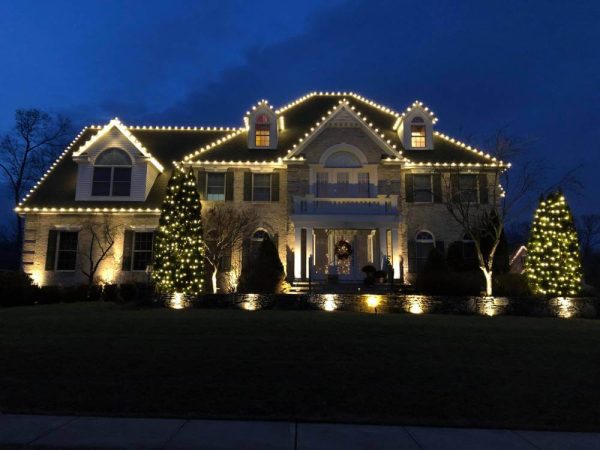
[(116, 123), (360, 118), (340, 148)]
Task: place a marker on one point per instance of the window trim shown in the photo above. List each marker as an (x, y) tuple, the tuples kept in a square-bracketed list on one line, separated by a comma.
[(475, 188), (112, 181), (415, 190), (208, 174), (423, 241), (133, 250), (58, 251), (418, 122), (270, 187)]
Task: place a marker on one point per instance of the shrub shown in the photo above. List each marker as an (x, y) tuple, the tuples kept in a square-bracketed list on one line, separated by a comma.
[(447, 282), (17, 288), (511, 285), (94, 293), (50, 294), (72, 294), (380, 275), (110, 293), (128, 292)]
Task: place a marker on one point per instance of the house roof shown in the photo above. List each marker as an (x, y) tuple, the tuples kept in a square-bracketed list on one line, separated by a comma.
[(305, 113), (202, 145), (57, 188)]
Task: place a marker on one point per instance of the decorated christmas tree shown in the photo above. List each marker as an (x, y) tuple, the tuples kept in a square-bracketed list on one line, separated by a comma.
[(178, 250), (553, 266)]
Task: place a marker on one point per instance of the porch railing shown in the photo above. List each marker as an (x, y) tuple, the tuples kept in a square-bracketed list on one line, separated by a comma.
[(318, 205)]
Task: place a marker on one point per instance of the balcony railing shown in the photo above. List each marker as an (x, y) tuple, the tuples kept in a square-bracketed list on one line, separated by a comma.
[(318, 205)]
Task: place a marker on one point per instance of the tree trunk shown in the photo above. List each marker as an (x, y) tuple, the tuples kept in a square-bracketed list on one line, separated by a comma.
[(214, 280), (488, 281)]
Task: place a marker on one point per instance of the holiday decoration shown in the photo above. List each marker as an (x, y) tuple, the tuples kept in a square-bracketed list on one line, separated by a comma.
[(343, 249), (553, 264), (179, 255)]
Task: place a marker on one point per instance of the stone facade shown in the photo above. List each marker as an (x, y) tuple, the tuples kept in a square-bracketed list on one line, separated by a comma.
[(367, 200)]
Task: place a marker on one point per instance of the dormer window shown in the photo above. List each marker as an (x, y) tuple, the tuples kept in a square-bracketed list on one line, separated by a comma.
[(262, 131), (112, 174), (417, 133)]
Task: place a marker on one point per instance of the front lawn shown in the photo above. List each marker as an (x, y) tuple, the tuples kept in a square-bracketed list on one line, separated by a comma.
[(98, 358)]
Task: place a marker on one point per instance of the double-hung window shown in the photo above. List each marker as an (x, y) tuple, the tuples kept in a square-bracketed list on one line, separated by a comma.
[(112, 174), (363, 184), (66, 254), (424, 245), (215, 186), (262, 130), (417, 133), (468, 188), (142, 250), (322, 184), (422, 189), (261, 187)]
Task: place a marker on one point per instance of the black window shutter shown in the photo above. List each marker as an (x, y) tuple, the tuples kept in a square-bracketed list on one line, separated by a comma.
[(202, 183), (229, 185), (127, 250), (412, 257), (248, 186), (454, 187), (483, 189), (439, 245), (275, 187), (51, 249), (437, 188), (408, 187)]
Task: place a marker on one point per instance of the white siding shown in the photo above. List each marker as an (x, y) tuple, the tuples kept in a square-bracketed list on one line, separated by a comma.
[(143, 173)]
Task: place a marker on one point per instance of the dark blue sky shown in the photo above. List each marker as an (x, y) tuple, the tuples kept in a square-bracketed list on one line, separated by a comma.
[(531, 66)]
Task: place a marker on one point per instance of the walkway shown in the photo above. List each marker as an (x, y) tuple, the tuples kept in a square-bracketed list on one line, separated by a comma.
[(116, 433)]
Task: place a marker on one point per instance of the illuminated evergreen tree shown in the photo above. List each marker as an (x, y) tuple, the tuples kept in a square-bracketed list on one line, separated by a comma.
[(553, 265), (178, 250)]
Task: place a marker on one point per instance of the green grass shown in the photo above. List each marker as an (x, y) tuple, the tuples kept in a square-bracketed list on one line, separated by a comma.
[(395, 368)]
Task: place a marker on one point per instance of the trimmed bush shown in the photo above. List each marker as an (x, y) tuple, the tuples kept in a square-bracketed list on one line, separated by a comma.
[(110, 293), (128, 292), (446, 282), (265, 274), (50, 294), (17, 288), (511, 285)]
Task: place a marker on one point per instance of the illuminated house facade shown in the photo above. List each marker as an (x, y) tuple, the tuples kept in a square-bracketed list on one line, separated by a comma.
[(339, 182)]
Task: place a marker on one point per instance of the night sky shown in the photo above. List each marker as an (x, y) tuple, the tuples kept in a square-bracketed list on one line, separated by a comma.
[(530, 66)]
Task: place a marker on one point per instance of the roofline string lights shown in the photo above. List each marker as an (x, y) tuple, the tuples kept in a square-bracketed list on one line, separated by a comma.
[(319, 124), (116, 123), (50, 169)]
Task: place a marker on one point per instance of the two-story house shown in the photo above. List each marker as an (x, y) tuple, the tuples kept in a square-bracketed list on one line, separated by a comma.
[(339, 182)]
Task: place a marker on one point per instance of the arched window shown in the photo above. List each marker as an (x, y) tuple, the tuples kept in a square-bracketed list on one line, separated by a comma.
[(112, 174), (260, 235), (417, 133), (343, 159), (262, 131), (424, 244)]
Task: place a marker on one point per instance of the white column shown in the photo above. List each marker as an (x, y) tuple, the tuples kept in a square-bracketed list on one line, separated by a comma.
[(310, 250), (396, 251), (297, 252), (382, 246)]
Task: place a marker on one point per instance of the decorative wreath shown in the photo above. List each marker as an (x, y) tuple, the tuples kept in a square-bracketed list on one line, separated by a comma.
[(343, 249)]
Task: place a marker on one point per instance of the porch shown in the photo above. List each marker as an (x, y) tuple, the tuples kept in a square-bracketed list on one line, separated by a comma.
[(335, 238)]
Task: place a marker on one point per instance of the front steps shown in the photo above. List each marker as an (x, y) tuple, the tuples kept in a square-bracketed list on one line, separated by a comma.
[(322, 286)]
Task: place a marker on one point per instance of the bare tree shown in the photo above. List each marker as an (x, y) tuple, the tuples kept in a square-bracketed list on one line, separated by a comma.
[(226, 227), (27, 151), (102, 233), (510, 193), (505, 193), (589, 233)]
